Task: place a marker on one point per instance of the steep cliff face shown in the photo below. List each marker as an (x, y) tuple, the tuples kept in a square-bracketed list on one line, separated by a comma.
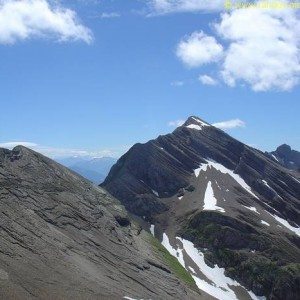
[(63, 238), (237, 205)]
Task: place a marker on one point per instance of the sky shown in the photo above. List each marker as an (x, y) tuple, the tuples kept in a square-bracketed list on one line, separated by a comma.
[(88, 77)]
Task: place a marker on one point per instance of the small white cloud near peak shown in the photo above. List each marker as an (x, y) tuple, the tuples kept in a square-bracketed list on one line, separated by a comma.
[(198, 49), (230, 124), (22, 20), (207, 80), (176, 123)]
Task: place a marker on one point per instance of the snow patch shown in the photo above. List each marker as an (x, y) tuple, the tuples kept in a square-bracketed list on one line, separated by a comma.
[(210, 201), (224, 170), (194, 126), (179, 198), (295, 179), (275, 157), (155, 193), (152, 229), (202, 123), (286, 224), (264, 223), (252, 208), (267, 185), (198, 126), (202, 167), (219, 285)]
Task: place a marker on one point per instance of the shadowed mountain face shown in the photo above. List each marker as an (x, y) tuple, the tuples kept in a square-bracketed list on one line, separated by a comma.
[(287, 157), (208, 195), (63, 238)]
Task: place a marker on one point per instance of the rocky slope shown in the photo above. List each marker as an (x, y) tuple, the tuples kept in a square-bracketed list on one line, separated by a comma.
[(63, 238), (287, 157), (207, 195)]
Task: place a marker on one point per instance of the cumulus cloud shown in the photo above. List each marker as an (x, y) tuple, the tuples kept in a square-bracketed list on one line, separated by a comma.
[(235, 123), (265, 55), (177, 6), (55, 152), (198, 49), (207, 80), (25, 19), (176, 123)]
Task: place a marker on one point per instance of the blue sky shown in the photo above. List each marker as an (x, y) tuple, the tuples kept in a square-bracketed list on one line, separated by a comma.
[(115, 74)]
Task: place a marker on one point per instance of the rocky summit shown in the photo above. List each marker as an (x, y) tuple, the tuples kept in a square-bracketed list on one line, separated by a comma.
[(286, 156), (228, 212), (63, 238)]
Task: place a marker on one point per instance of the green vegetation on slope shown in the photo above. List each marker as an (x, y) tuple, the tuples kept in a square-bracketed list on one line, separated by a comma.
[(266, 264), (173, 263)]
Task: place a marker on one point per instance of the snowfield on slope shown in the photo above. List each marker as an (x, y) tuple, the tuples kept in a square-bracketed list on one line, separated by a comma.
[(286, 224), (210, 201), (198, 126), (217, 284), (252, 208), (224, 170)]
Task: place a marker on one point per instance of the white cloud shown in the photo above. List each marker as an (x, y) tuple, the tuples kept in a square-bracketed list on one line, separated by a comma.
[(54, 152), (265, 55), (235, 123), (177, 6), (207, 80), (110, 15), (176, 123), (198, 49), (21, 20), (177, 83), (14, 144)]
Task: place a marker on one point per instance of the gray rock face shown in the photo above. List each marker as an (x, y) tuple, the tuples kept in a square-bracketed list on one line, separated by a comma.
[(234, 202), (63, 238), (165, 165), (287, 157)]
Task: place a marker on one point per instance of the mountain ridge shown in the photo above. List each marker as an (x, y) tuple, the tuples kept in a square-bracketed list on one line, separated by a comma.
[(200, 184), (62, 237)]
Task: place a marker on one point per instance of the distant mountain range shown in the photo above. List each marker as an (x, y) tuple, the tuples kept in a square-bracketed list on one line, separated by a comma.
[(93, 169), (287, 157), (216, 203)]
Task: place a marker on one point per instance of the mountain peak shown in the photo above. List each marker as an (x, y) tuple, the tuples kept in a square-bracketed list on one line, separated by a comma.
[(195, 123), (283, 149)]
